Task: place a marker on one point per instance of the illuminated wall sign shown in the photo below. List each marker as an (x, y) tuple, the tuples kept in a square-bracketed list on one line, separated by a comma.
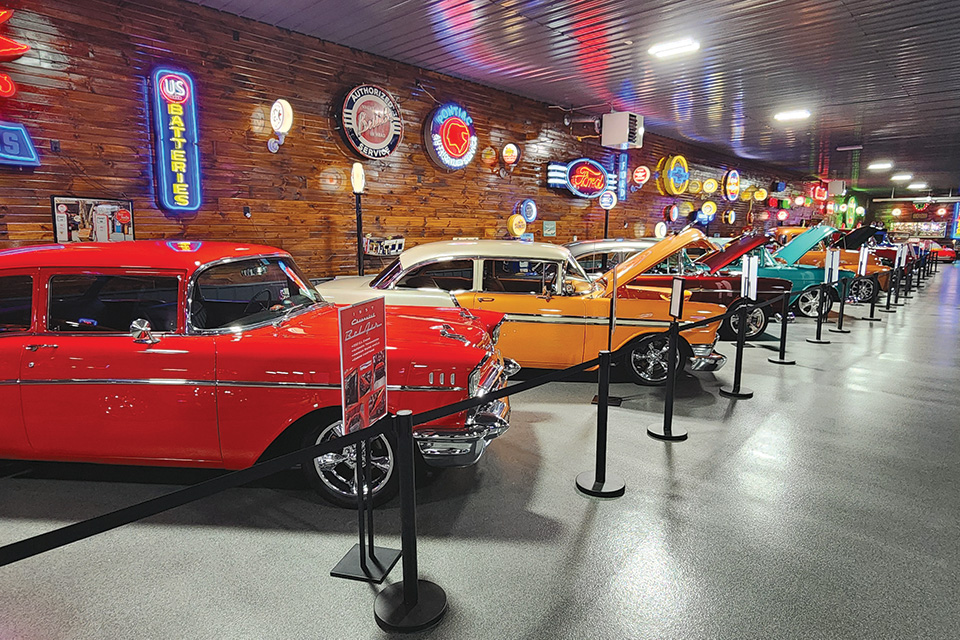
[(660, 230), (729, 217), (710, 185), (622, 174), (281, 116), (528, 209), (695, 186), (782, 215), (516, 225), (641, 175), (820, 194), (371, 121), (608, 200), (10, 50), (450, 138), (671, 213), (489, 156), (584, 177), (16, 147), (674, 175), (707, 212), (731, 185), (510, 154), (176, 135)]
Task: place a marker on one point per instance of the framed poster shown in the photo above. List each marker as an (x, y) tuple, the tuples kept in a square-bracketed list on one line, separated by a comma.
[(91, 219), (363, 363)]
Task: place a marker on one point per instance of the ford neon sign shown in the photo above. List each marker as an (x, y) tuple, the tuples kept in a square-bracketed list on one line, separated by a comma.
[(584, 178)]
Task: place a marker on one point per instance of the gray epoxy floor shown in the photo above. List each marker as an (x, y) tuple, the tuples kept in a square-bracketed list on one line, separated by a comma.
[(828, 506)]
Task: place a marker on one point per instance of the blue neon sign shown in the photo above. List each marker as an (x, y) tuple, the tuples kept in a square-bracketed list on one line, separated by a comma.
[(177, 140), (16, 147)]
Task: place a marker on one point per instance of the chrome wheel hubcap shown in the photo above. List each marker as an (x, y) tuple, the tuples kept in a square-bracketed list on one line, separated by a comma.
[(337, 470), (809, 302), (754, 322), (650, 360), (861, 290)]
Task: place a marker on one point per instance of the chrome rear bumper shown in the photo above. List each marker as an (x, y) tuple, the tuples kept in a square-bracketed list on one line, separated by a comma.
[(462, 448), (706, 359)]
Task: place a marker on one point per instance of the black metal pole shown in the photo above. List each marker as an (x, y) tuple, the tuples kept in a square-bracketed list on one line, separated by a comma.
[(368, 490), (876, 294), (359, 236), (413, 604), (821, 299), (843, 298), (666, 430), (896, 290), (597, 484), (736, 391), (782, 359), (360, 480), (909, 278)]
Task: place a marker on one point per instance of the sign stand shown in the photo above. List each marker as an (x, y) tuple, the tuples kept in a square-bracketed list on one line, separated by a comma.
[(876, 294), (820, 313), (843, 299), (666, 431), (598, 484), (613, 401), (358, 181), (782, 358), (736, 391)]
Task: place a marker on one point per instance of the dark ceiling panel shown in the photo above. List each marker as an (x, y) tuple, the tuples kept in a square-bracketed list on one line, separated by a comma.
[(882, 73)]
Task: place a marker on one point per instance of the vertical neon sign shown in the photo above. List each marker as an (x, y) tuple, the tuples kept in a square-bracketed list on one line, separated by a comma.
[(176, 135)]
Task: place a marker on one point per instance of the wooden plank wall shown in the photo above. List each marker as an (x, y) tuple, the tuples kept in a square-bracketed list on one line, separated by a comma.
[(84, 84)]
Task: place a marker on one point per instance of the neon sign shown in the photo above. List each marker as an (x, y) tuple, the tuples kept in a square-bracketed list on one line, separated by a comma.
[(176, 136), (451, 140), (731, 185), (583, 177), (673, 175), (641, 175), (371, 121), (820, 194), (10, 50), (608, 200), (16, 147)]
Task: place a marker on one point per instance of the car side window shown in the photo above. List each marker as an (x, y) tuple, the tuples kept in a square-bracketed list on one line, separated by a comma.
[(601, 262), (105, 303), (16, 303), (520, 276), (672, 265), (450, 275)]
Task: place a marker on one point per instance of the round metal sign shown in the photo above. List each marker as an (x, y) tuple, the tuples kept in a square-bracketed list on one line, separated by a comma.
[(510, 154), (281, 116), (371, 121), (608, 200), (731, 185), (641, 175), (528, 209), (660, 230), (516, 225)]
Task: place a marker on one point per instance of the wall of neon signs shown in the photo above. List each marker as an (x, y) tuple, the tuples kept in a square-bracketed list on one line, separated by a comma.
[(300, 199)]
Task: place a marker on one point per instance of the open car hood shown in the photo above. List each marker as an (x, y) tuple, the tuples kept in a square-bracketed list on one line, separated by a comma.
[(734, 250), (807, 240), (856, 238), (643, 261)]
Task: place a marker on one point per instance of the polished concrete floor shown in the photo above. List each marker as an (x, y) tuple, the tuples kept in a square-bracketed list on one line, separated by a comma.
[(828, 506)]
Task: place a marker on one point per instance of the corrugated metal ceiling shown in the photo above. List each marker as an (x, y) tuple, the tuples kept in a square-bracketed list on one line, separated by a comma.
[(882, 73)]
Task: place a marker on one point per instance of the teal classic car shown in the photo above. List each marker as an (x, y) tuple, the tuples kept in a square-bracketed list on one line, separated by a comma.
[(805, 296)]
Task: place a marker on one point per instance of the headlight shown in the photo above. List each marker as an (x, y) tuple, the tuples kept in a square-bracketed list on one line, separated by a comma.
[(473, 381)]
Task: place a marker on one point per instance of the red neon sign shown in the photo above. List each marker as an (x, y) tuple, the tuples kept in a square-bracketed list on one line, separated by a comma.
[(9, 51), (587, 179), (819, 193), (455, 137)]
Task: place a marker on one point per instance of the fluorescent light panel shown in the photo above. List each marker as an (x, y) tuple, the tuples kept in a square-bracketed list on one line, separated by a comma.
[(902, 177), (795, 114), (917, 186), (674, 48), (880, 165)]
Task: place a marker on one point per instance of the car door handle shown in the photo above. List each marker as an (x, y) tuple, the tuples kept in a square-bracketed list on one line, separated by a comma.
[(485, 299), (34, 347)]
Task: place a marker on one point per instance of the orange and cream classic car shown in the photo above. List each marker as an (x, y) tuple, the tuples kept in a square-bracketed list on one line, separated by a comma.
[(556, 316)]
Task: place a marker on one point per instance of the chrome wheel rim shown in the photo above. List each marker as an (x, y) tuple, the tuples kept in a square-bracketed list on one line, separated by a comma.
[(861, 290), (754, 323), (337, 470), (809, 302), (649, 360)]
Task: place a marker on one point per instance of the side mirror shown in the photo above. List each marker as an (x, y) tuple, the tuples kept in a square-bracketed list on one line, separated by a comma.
[(140, 330)]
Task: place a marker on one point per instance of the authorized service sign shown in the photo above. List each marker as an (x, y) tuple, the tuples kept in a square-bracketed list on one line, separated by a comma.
[(363, 363), (371, 121)]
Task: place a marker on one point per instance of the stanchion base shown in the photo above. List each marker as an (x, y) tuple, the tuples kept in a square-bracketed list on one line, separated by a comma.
[(676, 433), (587, 484), (612, 401), (377, 568), (779, 361), (869, 319), (742, 394), (392, 615), (839, 330), (815, 341)]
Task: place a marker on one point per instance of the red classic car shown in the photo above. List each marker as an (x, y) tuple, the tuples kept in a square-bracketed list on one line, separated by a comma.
[(218, 355)]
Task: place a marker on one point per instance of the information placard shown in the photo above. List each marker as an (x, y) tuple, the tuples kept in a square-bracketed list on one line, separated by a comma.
[(676, 298), (862, 263), (831, 271), (363, 363), (748, 277)]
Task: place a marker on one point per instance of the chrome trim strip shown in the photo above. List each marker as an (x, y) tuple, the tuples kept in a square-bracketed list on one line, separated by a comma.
[(210, 383), (276, 385), (557, 319), (157, 381), (8, 382), (404, 387)]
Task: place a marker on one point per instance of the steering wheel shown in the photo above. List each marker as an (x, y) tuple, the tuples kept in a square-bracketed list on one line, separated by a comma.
[(251, 306)]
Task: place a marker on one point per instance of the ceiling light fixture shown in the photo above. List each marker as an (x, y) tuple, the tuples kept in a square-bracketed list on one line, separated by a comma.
[(851, 147), (795, 114), (917, 186), (901, 177), (881, 165), (674, 48)]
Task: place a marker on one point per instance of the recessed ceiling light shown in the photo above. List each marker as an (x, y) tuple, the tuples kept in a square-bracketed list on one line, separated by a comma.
[(796, 114), (880, 165), (917, 186), (674, 48), (851, 147), (628, 42), (901, 177)]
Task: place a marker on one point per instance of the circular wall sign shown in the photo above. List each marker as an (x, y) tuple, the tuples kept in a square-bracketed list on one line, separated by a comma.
[(488, 156), (450, 138), (671, 213), (371, 121), (528, 209), (123, 216), (660, 230), (709, 209), (510, 154), (710, 185), (516, 225), (674, 175), (782, 215), (760, 195), (695, 186), (731, 185), (641, 175), (729, 217), (281, 116), (608, 200), (586, 178)]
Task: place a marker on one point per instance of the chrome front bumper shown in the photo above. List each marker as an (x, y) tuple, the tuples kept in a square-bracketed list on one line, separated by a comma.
[(462, 448), (706, 359)]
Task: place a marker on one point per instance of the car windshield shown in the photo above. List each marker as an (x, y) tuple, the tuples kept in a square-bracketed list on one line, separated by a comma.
[(245, 293), (386, 277)]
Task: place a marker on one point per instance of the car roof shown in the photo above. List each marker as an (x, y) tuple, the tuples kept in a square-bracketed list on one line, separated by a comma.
[(583, 247), (183, 255), (452, 249)]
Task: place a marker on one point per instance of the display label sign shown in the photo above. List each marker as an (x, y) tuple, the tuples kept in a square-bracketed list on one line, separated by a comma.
[(831, 272), (363, 363), (748, 277), (451, 140), (16, 147), (583, 177), (862, 262), (371, 121), (177, 141), (676, 299)]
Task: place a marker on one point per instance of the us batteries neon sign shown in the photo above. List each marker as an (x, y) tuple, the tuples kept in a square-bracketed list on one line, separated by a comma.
[(451, 140), (175, 130)]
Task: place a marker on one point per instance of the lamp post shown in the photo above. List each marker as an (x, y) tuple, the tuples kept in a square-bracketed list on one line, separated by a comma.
[(358, 181)]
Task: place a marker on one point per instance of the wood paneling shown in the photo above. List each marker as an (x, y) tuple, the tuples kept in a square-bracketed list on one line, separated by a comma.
[(84, 84)]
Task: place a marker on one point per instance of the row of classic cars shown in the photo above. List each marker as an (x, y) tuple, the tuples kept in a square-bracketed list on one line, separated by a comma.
[(210, 354)]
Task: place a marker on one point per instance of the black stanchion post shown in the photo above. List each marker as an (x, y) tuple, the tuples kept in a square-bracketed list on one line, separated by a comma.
[(876, 294), (919, 270), (821, 300), (896, 290), (782, 358), (413, 604), (908, 276), (844, 282), (666, 430), (736, 391), (597, 483)]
